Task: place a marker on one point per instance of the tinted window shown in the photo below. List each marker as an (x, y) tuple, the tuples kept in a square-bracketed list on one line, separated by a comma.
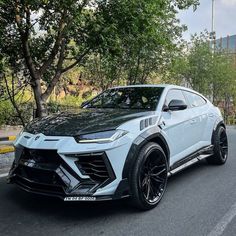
[(127, 98), (174, 94), (194, 99)]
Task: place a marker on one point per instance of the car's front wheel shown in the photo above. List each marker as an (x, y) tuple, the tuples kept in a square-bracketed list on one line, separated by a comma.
[(220, 150), (149, 177)]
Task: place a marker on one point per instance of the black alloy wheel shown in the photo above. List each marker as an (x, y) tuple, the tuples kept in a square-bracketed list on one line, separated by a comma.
[(220, 147), (153, 176), (223, 144), (149, 177)]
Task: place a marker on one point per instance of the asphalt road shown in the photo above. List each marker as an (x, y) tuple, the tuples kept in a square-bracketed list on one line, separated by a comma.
[(199, 201)]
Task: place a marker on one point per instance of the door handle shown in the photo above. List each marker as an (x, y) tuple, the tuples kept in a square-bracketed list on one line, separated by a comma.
[(193, 121), (162, 124)]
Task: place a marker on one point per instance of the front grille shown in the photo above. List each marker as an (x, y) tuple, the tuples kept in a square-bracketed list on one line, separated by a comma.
[(41, 156), (44, 171), (38, 187), (48, 177), (96, 166), (36, 171)]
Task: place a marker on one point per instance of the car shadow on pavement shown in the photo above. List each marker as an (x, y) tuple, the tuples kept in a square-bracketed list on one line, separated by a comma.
[(47, 206)]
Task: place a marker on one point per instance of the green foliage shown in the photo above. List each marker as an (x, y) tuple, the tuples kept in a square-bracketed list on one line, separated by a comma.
[(71, 101), (41, 40), (6, 111), (68, 103), (9, 115), (203, 70), (143, 37), (211, 73)]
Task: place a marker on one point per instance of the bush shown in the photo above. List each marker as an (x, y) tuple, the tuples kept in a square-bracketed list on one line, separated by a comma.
[(71, 101), (6, 112), (9, 116)]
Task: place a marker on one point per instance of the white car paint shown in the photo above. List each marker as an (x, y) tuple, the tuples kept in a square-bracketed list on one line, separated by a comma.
[(184, 131)]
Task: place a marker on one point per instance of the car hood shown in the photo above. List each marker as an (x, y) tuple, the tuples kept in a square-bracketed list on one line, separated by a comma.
[(83, 121)]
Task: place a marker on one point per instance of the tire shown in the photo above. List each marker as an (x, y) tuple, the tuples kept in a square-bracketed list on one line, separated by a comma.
[(148, 177), (220, 149)]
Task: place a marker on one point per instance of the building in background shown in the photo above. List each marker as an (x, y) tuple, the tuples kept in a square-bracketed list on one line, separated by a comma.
[(227, 43)]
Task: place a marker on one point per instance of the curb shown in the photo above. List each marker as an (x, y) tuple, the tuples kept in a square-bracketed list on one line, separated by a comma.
[(6, 149), (6, 144), (9, 138)]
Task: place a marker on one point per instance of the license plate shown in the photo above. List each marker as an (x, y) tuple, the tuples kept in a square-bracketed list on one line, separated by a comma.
[(72, 199)]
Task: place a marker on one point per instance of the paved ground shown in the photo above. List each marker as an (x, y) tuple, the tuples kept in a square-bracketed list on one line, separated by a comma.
[(5, 162), (199, 201)]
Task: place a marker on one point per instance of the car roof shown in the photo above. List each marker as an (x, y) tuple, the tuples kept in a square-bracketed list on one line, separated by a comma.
[(169, 86), (166, 86), (142, 85)]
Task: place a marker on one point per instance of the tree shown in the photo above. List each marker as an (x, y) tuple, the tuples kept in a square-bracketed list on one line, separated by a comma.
[(42, 39), (144, 47), (15, 107), (193, 65), (211, 73)]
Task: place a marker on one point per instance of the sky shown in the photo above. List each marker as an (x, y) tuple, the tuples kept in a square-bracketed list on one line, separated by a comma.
[(225, 18)]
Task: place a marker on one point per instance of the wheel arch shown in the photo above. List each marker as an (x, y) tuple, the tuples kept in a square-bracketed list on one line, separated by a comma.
[(159, 139), (222, 124), (217, 125), (151, 135)]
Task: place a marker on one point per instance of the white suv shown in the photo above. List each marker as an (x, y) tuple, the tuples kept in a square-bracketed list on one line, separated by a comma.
[(123, 143)]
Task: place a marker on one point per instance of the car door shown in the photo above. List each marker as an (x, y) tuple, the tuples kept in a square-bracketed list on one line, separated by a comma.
[(199, 108), (177, 128)]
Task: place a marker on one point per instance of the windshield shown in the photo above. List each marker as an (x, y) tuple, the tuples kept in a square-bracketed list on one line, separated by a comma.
[(127, 98)]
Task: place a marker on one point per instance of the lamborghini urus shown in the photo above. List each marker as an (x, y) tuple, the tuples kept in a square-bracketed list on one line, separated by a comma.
[(125, 142)]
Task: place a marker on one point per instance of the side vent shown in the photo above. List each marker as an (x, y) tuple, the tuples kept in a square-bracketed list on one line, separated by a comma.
[(148, 122)]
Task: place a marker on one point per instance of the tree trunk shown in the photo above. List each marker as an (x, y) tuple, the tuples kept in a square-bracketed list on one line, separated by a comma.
[(41, 109)]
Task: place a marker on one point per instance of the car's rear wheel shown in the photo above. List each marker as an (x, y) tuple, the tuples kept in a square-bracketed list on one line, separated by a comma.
[(220, 150), (149, 177)]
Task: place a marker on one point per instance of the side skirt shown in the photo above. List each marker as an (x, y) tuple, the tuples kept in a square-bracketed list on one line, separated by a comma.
[(191, 159)]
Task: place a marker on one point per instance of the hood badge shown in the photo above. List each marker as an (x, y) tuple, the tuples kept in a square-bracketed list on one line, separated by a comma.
[(36, 138)]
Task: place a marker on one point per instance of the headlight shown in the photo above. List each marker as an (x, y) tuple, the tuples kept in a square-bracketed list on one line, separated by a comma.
[(101, 137)]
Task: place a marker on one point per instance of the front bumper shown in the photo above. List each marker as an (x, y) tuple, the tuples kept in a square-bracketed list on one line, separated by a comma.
[(77, 176)]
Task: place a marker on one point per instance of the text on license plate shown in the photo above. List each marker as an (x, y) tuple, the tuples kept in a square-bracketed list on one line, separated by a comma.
[(71, 199)]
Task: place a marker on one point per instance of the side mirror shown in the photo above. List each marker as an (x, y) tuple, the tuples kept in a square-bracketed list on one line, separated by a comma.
[(176, 105)]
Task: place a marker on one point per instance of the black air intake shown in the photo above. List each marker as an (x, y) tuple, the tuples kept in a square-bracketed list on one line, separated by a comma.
[(41, 156), (96, 166)]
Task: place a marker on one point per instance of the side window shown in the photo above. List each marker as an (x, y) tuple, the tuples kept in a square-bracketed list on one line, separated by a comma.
[(194, 99), (174, 94), (199, 101)]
